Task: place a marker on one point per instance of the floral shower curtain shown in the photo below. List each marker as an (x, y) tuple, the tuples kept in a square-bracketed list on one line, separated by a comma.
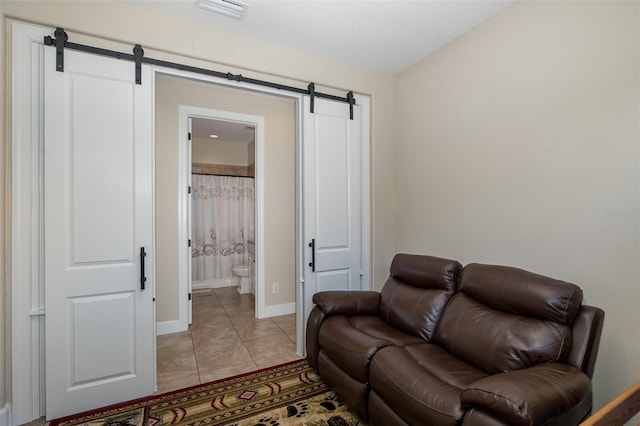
[(222, 220)]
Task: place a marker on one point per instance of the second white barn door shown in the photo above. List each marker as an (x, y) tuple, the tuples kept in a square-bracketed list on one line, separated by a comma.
[(332, 192), (98, 196)]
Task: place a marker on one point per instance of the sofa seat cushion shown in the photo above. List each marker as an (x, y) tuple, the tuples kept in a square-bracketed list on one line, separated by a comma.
[(539, 395), (352, 341), (422, 383)]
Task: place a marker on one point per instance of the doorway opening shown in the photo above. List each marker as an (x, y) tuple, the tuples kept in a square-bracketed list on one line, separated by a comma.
[(213, 175), (232, 329), (222, 205)]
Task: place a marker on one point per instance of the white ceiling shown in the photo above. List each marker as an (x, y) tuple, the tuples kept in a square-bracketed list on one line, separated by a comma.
[(381, 35)]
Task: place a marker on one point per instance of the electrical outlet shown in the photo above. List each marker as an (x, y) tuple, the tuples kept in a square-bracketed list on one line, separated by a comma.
[(275, 288)]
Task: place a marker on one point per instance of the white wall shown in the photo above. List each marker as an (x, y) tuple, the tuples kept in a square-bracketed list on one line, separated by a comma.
[(518, 145), (210, 151)]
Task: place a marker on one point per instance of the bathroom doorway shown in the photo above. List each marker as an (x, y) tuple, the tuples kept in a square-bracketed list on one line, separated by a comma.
[(222, 205)]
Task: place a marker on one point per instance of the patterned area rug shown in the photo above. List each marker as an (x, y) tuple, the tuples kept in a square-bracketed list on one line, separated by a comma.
[(289, 394)]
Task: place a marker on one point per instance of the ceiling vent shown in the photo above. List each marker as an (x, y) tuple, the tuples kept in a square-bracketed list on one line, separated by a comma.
[(232, 8)]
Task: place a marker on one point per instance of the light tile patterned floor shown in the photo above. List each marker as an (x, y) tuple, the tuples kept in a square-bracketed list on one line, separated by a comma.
[(224, 340)]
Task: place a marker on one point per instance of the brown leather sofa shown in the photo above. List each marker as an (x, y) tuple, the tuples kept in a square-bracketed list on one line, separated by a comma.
[(447, 345)]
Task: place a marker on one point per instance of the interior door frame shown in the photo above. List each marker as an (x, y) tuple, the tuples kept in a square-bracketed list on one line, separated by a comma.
[(261, 309), (27, 224), (365, 103), (184, 172), (27, 300)]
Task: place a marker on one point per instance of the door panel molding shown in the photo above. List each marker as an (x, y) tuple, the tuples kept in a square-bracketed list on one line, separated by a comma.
[(336, 186)]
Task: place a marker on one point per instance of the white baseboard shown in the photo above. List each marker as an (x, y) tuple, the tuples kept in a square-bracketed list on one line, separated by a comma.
[(216, 283), (5, 415), (168, 327), (277, 310)]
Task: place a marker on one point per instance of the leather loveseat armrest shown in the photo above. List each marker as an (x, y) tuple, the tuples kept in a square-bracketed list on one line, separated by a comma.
[(532, 396), (347, 302), (330, 303)]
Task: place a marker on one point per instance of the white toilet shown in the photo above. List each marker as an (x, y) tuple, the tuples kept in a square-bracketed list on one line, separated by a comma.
[(242, 272)]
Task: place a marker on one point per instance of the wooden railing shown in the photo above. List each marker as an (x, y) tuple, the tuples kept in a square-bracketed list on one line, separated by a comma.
[(619, 411)]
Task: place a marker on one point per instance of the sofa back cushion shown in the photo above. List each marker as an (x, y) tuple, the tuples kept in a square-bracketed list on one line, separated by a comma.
[(505, 319), (415, 294)]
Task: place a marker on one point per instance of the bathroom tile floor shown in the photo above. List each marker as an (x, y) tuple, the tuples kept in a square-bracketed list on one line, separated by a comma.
[(224, 340)]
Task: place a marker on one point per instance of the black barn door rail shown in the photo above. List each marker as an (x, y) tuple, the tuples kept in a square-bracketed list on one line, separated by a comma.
[(61, 41)]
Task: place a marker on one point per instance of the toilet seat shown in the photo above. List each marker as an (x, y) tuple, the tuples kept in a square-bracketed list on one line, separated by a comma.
[(240, 270)]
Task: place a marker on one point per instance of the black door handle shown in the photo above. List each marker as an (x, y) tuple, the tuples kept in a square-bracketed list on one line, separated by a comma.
[(312, 244), (143, 279)]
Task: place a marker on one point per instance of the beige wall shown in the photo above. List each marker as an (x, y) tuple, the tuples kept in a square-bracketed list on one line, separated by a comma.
[(518, 145), (279, 182), (209, 151)]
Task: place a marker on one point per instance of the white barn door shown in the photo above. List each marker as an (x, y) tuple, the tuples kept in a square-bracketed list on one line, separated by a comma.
[(333, 199), (98, 155)]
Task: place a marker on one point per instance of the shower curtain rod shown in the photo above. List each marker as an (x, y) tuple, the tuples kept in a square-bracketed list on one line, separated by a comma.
[(218, 174), (61, 42)]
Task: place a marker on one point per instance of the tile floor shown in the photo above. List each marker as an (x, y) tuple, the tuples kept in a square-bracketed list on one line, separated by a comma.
[(224, 340)]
